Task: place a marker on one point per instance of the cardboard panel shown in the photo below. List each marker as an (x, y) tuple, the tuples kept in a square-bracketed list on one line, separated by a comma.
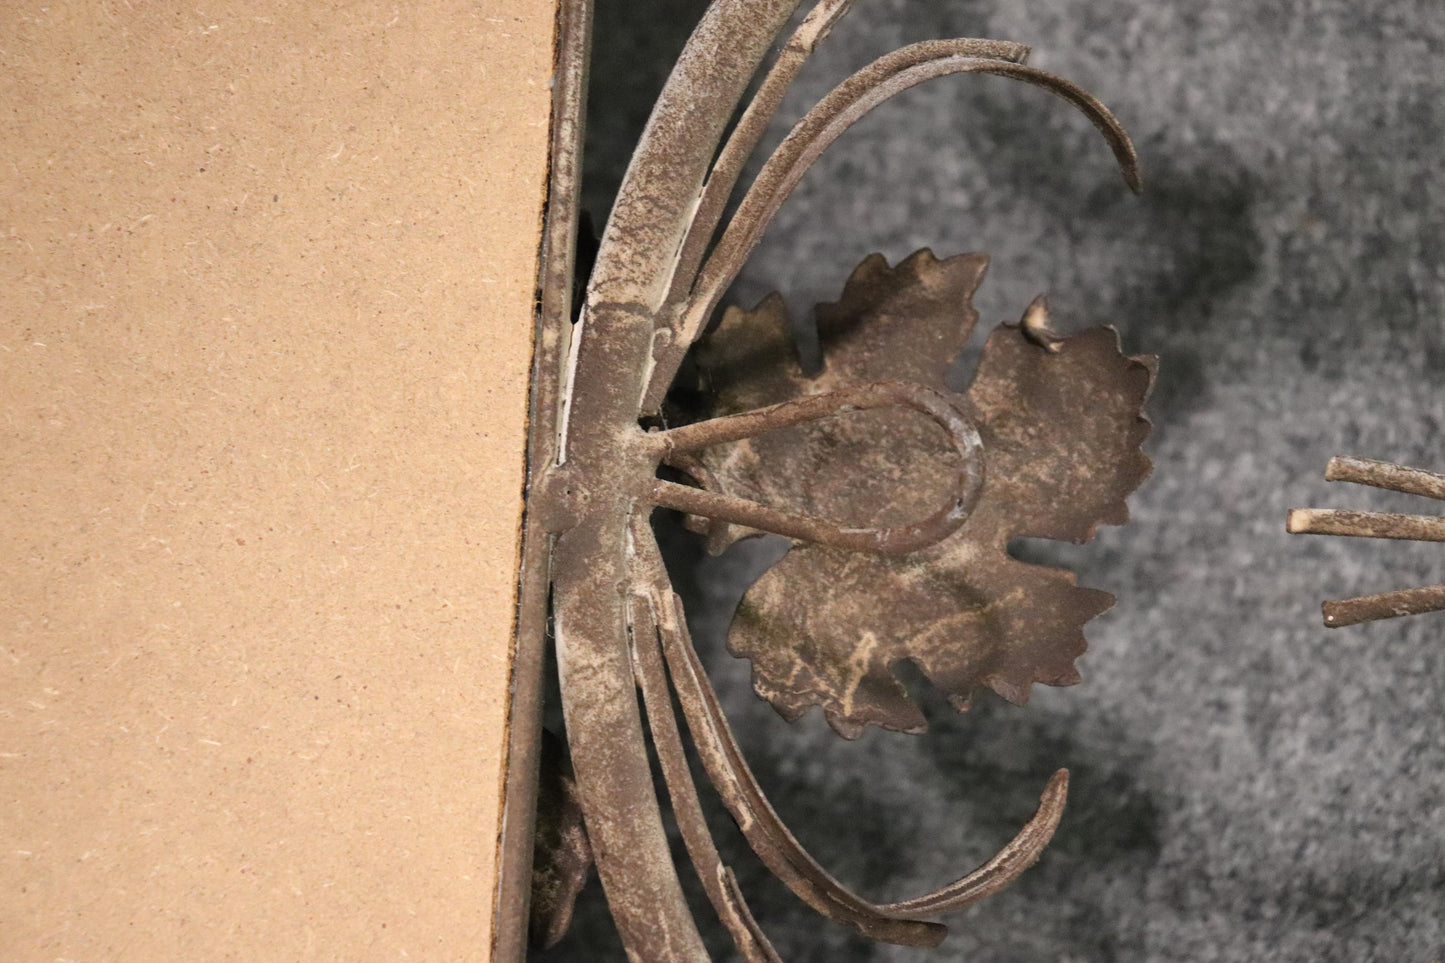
[(266, 310)]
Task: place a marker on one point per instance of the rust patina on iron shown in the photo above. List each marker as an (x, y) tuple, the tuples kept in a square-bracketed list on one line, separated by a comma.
[(1419, 528), (908, 488)]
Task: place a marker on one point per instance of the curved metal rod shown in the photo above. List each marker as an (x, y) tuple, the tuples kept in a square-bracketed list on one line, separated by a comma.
[(760, 110), (781, 852), (816, 132), (749, 130), (895, 540), (823, 125), (717, 879), (655, 200), (1021, 853)]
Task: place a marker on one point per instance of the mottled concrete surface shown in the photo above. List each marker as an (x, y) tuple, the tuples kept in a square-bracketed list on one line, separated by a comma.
[(1247, 785)]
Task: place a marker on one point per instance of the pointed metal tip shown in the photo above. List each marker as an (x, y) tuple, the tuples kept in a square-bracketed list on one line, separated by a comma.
[(1036, 327)]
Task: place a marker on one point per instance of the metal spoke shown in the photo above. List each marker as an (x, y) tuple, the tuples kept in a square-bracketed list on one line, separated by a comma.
[(895, 540), (1417, 528), (1382, 474), (1386, 605), (1332, 521)]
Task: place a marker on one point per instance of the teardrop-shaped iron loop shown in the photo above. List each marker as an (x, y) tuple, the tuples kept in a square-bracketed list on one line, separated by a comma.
[(893, 540)]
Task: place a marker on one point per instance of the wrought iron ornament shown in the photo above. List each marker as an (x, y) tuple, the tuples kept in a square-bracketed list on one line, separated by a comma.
[(900, 493)]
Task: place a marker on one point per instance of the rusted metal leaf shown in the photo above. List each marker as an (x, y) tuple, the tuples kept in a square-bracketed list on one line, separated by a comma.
[(1061, 424)]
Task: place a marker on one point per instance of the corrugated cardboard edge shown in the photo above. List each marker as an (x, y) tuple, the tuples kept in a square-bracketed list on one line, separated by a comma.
[(555, 273)]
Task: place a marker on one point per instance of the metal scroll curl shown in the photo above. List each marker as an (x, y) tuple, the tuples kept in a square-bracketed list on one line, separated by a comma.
[(1044, 444)]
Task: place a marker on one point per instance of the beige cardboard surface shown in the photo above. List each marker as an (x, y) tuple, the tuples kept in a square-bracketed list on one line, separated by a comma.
[(266, 303)]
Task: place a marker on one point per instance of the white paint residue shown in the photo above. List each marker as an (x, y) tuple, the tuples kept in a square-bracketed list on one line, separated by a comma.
[(569, 375)]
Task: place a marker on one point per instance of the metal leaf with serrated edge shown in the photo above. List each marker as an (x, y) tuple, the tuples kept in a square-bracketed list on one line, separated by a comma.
[(1061, 424)]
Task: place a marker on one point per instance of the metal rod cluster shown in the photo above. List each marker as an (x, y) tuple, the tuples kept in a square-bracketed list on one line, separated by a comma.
[(1417, 528)]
